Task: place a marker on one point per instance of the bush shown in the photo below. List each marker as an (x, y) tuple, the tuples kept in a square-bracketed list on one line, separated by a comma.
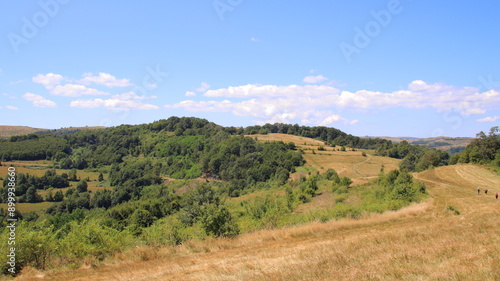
[(216, 220)]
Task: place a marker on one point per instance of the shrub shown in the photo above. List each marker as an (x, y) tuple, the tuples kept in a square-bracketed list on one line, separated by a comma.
[(216, 220)]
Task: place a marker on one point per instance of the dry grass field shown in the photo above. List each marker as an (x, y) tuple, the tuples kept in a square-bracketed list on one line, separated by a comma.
[(9, 131), (454, 235), (352, 164), (38, 168)]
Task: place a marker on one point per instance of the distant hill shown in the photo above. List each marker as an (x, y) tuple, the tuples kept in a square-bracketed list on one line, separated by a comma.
[(9, 131), (450, 144)]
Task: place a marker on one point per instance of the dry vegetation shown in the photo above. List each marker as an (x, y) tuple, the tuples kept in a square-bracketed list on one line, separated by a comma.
[(426, 241), (38, 168), (352, 164), (9, 131)]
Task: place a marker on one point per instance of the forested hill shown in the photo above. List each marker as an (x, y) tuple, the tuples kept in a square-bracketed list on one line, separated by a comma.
[(114, 143), (186, 142)]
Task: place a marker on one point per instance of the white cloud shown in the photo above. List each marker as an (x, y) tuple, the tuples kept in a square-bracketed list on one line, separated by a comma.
[(39, 101), (75, 90), (314, 79), (113, 104), (268, 91), (190, 94), (254, 39), (105, 79), (49, 80), (203, 88), (315, 104), (131, 96), (489, 119), (12, 107)]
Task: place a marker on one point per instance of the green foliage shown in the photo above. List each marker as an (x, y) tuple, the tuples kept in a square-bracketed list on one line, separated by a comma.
[(32, 147), (217, 220), (31, 196), (91, 239), (483, 150), (393, 191), (167, 231), (82, 186)]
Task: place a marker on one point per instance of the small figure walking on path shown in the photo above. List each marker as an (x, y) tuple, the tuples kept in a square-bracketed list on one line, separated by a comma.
[(478, 191), (486, 191), (496, 196)]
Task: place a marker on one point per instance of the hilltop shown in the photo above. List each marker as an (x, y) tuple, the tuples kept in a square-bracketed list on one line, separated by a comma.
[(9, 131), (185, 189), (450, 144)]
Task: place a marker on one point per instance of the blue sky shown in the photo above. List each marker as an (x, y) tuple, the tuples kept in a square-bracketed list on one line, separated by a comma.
[(378, 68)]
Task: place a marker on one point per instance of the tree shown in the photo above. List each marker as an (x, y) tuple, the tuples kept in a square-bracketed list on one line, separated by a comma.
[(32, 196), (72, 175), (49, 197), (82, 186), (58, 196), (218, 221), (101, 177)]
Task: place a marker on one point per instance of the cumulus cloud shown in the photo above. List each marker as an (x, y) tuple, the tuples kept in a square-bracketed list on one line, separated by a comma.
[(131, 96), (125, 101), (317, 104), (489, 119), (75, 90), (38, 100), (269, 91), (190, 94), (49, 80), (113, 104), (105, 79), (315, 79), (12, 107)]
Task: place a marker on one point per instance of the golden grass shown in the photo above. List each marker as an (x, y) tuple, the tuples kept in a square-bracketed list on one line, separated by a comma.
[(38, 168), (424, 241), (361, 169), (29, 207)]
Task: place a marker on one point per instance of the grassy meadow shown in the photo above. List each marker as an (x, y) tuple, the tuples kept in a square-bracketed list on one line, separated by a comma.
[(452, 234)]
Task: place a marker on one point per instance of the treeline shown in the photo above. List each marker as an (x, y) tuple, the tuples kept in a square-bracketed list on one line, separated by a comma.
[(414, 157), (32, 147), (485, 149), (103, 147), (331, 136)]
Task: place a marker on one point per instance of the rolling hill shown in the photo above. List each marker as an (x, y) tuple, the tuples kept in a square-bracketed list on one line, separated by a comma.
[(9, 131), (452, 235)]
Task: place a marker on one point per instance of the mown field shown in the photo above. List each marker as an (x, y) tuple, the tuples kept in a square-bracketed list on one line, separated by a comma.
[(347, 163)]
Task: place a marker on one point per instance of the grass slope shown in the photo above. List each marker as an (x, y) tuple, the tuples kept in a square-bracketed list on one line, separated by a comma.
[(9, 131), (421, 242), (347, 163), (451, 236)]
